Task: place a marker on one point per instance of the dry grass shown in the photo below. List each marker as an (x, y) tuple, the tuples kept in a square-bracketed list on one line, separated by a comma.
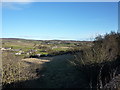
[(14, 69), (101, 62), (35, 60)]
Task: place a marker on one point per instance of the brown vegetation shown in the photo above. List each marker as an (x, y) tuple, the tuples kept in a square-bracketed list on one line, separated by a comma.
[(101, 63)]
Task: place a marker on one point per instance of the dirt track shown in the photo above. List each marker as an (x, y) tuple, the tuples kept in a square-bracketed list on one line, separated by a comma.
[(53, 70)]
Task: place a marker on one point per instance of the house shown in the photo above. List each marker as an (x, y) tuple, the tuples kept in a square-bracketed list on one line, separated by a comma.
[(38, 55), (28, 53), (17, 53), (20, 52), (6, 48), (3, 49)]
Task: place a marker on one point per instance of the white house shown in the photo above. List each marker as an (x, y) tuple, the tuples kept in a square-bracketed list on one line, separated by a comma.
[(17, 53)]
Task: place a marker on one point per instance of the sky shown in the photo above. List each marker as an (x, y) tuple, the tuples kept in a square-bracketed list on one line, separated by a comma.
[(58, 20)]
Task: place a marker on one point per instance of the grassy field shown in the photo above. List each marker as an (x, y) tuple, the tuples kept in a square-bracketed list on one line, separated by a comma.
[(42, 47)]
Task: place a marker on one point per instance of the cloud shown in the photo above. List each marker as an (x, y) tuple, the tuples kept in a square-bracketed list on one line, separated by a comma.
[(10, 6), (15, 5), (18, 0)]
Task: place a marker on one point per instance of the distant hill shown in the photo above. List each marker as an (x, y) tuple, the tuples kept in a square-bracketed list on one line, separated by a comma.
[(42, 40)]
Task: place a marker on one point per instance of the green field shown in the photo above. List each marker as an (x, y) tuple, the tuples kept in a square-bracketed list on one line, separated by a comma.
[(42, 47)]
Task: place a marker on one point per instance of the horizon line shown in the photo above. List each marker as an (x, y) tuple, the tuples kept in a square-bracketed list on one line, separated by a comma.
[(47, 39)]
